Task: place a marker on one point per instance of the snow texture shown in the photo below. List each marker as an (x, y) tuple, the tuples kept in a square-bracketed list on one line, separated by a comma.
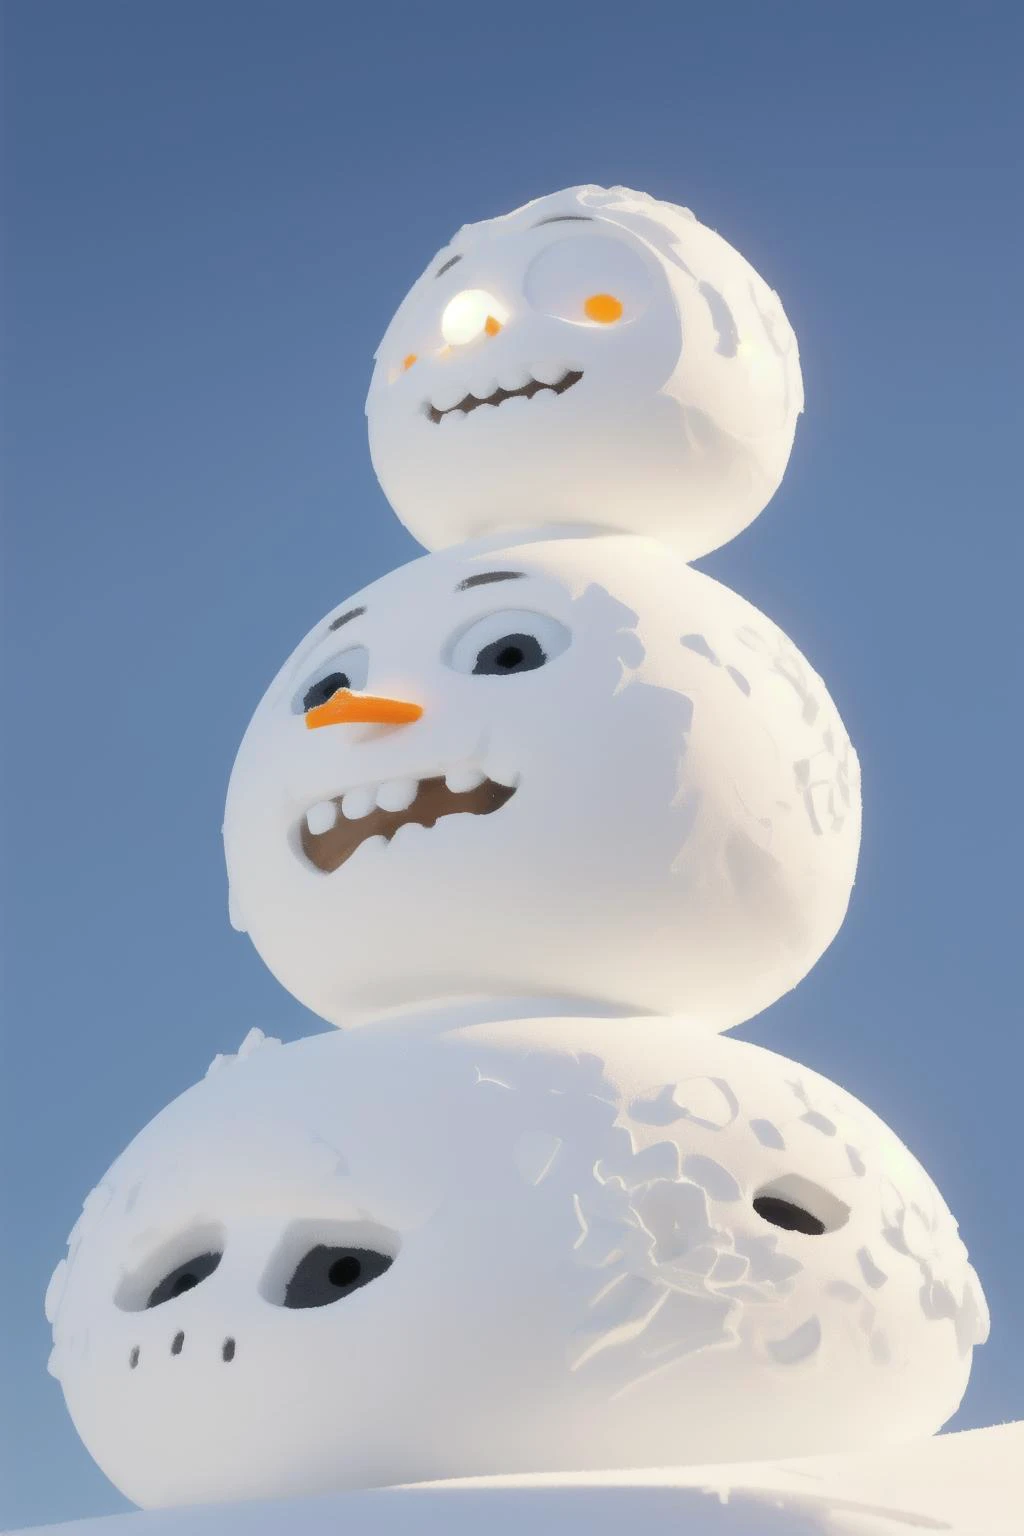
[(465, 1238), (575, 1217), (672, 419), (969, 1484), (673, 814)]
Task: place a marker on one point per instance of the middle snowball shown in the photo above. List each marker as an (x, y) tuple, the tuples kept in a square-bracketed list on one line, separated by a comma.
[(576, 769)]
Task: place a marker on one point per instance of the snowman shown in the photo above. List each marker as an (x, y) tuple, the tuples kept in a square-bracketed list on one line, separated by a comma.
[(573, 771), (533, 819), (596, 359), (419, 1252), (552, 761)]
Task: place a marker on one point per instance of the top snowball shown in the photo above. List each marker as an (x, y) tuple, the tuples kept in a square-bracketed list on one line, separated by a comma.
[(596, 358)]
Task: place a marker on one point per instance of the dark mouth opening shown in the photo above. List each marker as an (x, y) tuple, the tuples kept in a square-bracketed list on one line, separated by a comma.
[(472, 402), (327, 851)]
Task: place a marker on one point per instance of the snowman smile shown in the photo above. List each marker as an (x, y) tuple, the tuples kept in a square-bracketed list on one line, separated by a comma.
[(332, 830), (471, 402)]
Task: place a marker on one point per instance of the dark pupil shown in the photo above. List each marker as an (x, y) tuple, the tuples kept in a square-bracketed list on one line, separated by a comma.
[(325, 689), (512, 653), (344, 1271), (792, 1218)]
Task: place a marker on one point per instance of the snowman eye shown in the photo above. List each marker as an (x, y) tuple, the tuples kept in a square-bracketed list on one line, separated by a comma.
[(176, 1267), (605, 308), (591, 280), (326, 688), (797, 1205), (513, 640), (347, 669), (314, 1265), (325, 1274), (184, 1277)]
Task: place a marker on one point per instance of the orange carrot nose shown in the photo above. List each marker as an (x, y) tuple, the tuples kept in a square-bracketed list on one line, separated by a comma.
[(347, 708)]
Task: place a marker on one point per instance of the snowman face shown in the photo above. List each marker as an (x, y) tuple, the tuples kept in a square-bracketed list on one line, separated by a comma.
[(380, 1257), (450, 785), (595, 358)]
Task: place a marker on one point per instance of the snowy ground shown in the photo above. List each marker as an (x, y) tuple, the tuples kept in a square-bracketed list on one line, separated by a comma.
[(969, 1484)]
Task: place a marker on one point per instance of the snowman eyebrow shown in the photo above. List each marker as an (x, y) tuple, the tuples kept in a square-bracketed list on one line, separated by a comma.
[(565, 218), (353, 613), (449, 263), (482, 578)]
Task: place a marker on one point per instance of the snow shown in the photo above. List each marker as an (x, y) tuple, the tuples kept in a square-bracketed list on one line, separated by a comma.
[(674, 421), (599, 1239), (674, 843), (968, 1484), (601, 1287)]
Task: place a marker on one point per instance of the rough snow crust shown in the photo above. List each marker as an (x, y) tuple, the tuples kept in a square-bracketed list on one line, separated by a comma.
[(578, 1277)]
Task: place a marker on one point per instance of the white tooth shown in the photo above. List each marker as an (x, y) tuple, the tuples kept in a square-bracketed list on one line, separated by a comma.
[(516, 378), (447, 394), (357, 803), (461, 780), (520, 402), (548, 372), (397, 795), (485, 386), (409, 829), (321, 817), (451, 417)]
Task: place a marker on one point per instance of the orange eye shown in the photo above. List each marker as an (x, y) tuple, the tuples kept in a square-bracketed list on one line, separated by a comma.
[(407, 362), (605, 308), (492, 326)]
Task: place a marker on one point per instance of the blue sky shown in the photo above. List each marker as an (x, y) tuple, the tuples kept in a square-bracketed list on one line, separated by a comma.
[(212, 210)]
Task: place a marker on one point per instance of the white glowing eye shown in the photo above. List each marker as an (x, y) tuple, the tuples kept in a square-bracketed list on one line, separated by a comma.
[(592, 280), (345, 669), (470, 312), (508, 642)]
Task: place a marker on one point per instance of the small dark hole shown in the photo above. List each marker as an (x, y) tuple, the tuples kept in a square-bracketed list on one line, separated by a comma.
[(228, 1349), (344, 1271), (510, 657), (133, 1358), (783, 1213), (176, 1343)]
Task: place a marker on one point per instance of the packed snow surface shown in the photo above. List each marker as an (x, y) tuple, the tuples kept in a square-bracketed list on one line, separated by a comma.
[(422, 1251), (597, 357), (969, 1484), (616, 782)]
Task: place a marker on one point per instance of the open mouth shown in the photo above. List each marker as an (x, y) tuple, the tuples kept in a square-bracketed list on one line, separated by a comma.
[(472, 402), (328, 844)]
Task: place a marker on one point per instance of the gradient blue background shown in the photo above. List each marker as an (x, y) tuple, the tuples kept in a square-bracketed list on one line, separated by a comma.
[(212, 210)]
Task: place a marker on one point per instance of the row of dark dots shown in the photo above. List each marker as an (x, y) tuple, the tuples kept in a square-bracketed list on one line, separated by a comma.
[(227, 1350)]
